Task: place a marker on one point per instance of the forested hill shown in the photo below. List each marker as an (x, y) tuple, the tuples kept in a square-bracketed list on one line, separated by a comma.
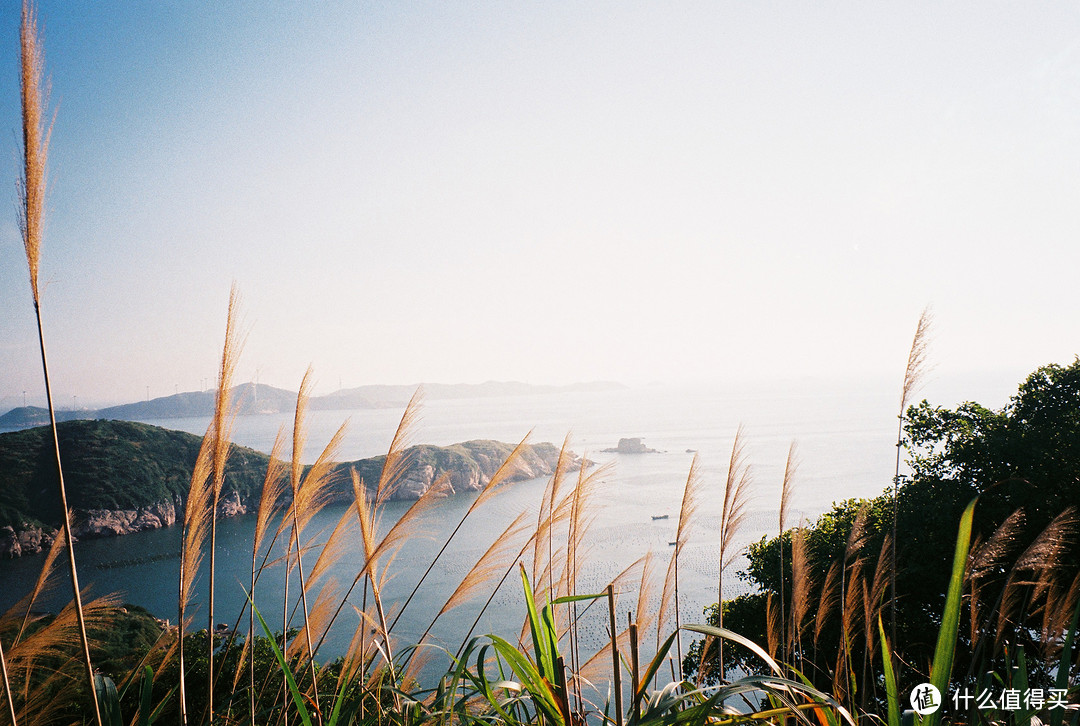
[(124, 477), (107, 465)]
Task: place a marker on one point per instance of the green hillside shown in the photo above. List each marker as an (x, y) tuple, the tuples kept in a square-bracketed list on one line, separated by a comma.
[(107, 465), (123, 465)]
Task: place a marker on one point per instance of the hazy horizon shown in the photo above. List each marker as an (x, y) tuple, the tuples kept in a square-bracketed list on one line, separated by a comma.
[(633, 192), (989, 388)]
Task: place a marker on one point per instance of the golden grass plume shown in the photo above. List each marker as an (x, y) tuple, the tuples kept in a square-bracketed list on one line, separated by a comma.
[(736, 498), (691, 500), (828, 597), (35, 147), (801, 586)]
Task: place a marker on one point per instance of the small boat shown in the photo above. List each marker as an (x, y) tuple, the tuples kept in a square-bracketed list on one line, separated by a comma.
[(659, 516)]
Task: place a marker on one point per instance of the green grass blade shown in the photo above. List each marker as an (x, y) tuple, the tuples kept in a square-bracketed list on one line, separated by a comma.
[(294, 690), (531, 679), (576, 598), (146, 693), (480, 681), (831, 718), (945, 650), (891, 690), (650, 672), (109, 700), (339, 700), (545, 660), (736, 638)]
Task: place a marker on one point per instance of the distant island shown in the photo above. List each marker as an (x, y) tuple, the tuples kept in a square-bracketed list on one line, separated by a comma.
[(125, 477), (631, 446), (256, 399)]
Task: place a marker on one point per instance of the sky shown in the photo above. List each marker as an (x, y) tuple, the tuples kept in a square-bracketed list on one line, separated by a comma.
[(687, 192)]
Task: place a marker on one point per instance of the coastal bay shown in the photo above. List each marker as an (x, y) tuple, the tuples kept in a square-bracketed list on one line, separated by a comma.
[(846, 440)]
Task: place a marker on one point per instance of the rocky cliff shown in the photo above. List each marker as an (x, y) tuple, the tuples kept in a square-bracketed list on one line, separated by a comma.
[(32, 537), (468, 466)]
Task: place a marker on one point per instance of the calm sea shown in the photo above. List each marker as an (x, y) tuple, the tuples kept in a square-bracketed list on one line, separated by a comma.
[(846, 436)]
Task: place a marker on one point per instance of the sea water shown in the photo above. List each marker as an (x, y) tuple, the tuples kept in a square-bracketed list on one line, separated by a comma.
[(846, 442)]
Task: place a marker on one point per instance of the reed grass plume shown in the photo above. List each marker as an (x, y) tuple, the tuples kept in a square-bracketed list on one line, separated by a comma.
[(222, 426), (787, 489), (1011, 596), (642, 615), (828, 598), (546, 522), (273, 489), (801, 586), (383, 550), (316, 625), (857, 535), (1057, 616), (563, 519), (406, 527), (224, 412), (553, 514), (917, 361), (851, 618), (337, 544), (987, 560), (914, 373), (396, 461), (35, 147), (582, 517), (773, 632), (494, 486), (736, 498), (310, 494), (874, 591), (530, 542), (598, 665), (44, 654), (511, 465), (353, 662), (1034, 571), (31, 213), (7, 695), (193, 537), (987, 557), (41, 584), (851, 574), (1053, 543), (368, 529), (733, 513), (669, 593), (496, 559)]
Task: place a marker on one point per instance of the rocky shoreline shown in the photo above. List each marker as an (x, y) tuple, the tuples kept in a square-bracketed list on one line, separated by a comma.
[(467, 467), (31, 538)]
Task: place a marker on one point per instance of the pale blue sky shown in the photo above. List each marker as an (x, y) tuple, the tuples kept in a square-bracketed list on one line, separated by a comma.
[(547, 192)]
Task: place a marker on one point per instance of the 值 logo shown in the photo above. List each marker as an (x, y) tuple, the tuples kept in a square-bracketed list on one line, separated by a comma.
[(925, 699)]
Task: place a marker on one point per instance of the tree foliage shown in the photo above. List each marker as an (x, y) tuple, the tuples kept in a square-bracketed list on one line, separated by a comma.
[(1025, 456)]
